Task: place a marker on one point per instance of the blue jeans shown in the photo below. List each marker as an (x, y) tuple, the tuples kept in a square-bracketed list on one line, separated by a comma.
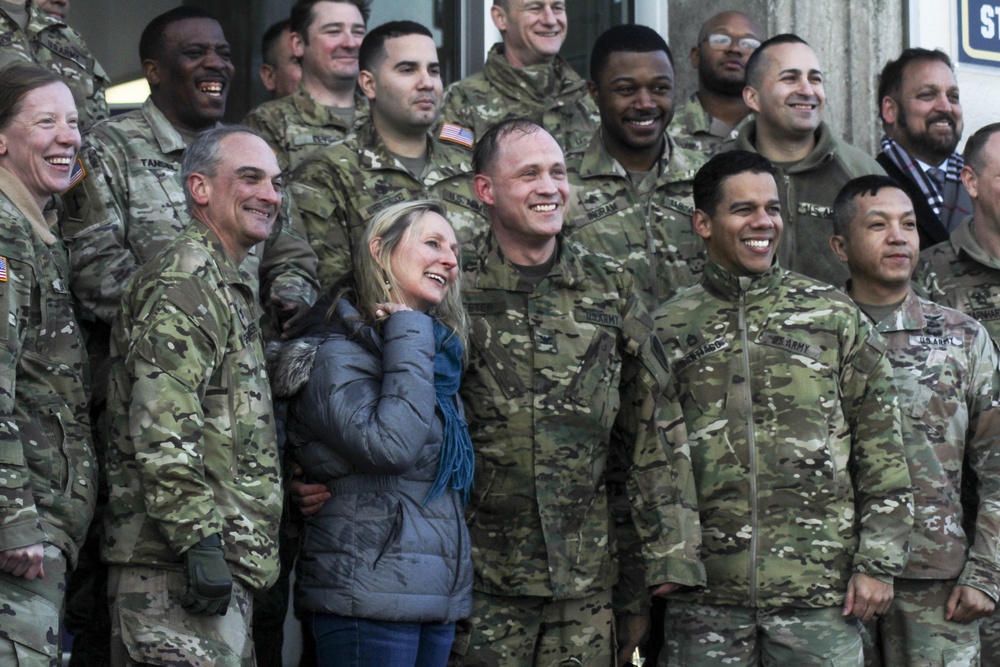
[(343, 641)]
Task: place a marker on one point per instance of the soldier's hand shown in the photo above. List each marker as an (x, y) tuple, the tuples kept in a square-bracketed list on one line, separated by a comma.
[(664, 590), (966, 604), (630, 629), (867, 597), (290, 313), (308, 497), (383, 310), (24, 562), (210, 584)]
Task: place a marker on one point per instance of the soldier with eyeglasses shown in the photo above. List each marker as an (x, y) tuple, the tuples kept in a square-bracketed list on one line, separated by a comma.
[(716, 112)]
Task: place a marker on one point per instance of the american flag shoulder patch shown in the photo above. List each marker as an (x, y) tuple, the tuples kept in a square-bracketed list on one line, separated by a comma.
[(457, 135), (3, 269), (78, 174)]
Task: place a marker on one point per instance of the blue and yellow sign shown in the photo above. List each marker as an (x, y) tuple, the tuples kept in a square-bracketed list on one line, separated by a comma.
[(979, 32)]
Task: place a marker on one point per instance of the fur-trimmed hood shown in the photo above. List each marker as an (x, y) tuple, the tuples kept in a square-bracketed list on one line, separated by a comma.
[(290, 364)]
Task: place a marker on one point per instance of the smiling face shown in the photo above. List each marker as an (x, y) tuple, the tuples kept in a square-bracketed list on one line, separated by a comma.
[(789, 99), (883, 245), (405, 89), (743, 232), (241, 200), (722, 70), (57, 8), (635, 96), (533, 30), (190, 82), (526, 189), (424, 263), (40, 143), (925, 116), (329, 51)]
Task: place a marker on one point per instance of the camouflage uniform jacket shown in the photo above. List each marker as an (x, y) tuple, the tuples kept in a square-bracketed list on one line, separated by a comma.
[(48, 475), (946, 380), (193, 450), (338, 189), (563, 379), (297, 125), (794, 438), (960, 274), (647, 226), (52, 44), (553, 96), (807, 189), (131, 204), (695, 129)]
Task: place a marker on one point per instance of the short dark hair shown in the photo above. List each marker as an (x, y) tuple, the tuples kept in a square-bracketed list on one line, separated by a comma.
[(488, 146), (755, 63), (629, 38), (152, 39), (303, 15), (372, 51), (17, 80), (708, 181), (891, 78), (845, 205), (268, 52), (973, 154)]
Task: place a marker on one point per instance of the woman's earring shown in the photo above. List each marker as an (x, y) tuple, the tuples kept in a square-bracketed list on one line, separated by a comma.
[(388, 285)]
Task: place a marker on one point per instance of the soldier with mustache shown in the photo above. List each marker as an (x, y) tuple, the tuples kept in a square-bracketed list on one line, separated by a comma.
[(392, 159), (716, 112), (922, 118)]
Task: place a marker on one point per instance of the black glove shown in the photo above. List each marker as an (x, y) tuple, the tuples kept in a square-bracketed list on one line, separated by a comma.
[(210, 585)]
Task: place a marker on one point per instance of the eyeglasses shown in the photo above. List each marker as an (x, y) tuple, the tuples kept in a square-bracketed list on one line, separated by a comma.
[(719, 40)]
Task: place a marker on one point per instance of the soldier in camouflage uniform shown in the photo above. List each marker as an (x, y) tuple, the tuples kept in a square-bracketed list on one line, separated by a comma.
[(803, 488), (29, 34), (131, 204), (563, 382), (812, 163), (524, 77), (394, 158), (195, 491), (280, 71), (964, 272), (631, 186), (946, 379), (716, 112), (326, 35), (48, 473)]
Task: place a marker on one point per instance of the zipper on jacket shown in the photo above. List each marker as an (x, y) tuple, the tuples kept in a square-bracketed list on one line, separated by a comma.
[(650, 245), (751, 448)]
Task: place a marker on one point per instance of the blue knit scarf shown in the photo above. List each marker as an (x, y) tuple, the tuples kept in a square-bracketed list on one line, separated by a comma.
[(457, 464)]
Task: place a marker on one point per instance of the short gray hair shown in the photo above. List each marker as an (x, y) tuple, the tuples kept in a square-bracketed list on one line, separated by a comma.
[(203, 157)]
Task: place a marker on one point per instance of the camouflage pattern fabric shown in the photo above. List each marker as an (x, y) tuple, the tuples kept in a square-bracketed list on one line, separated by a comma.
[(551, 95), (646, 226), (705, 635), (48, 474), (914, 632), (338, 189), (193, 450), (539, 631), (961, 274), (807, 189), (29, 614), (946, 381), (781, 381), (695, 129), (559, 376), (296, 125), (149, 626), (52, 44), (131, 205)]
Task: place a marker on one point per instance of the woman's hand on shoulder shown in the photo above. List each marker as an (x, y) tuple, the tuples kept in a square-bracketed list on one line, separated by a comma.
[(384, 310)]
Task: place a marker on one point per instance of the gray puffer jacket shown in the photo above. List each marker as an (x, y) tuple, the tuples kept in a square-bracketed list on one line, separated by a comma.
[(363, 420)]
